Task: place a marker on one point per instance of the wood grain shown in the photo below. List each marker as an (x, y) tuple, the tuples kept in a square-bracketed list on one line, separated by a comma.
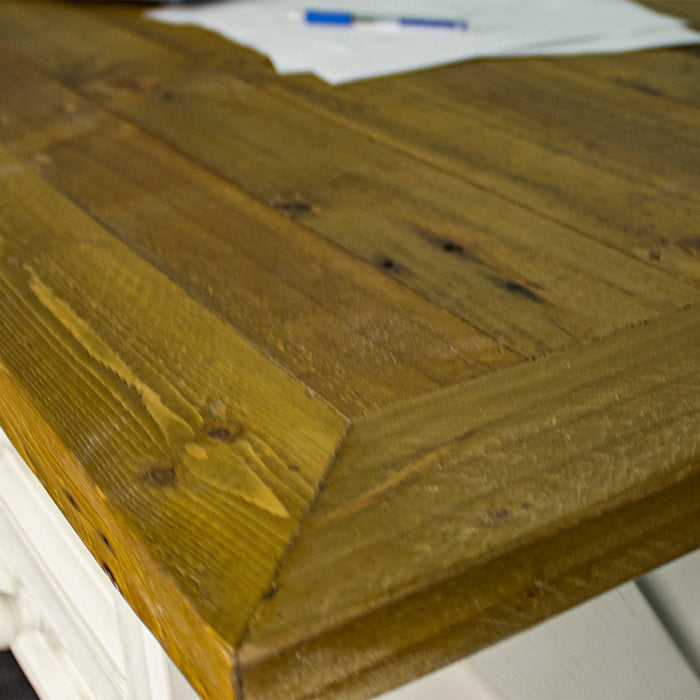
[(430, 229), (495, 496), (340, 384), (514, 128), (161, 405), (293, 293)]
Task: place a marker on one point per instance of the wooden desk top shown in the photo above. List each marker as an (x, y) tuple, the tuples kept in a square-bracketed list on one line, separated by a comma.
[(341, 384)]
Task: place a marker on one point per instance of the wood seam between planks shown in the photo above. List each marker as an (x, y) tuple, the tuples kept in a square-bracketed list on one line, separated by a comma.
[(539, 592), (104, 108), (272, 587), (373, 134), (22, 413), (403, 148), (649, 490), (526, 359), (103, 225)]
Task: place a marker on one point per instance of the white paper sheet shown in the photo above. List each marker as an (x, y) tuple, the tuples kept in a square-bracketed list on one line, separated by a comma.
[(496, 28)]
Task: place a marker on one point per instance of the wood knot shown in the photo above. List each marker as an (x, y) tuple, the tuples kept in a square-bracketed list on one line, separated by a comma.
[(386, 263), (161, 476)]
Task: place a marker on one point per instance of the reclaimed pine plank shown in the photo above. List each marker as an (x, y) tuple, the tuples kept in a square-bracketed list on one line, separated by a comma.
[(449, 522), (358, 339), (525, 274), (134, 402), (515, 127)]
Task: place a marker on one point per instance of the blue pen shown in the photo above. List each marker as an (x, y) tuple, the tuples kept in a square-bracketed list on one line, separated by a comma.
[(340, 18)]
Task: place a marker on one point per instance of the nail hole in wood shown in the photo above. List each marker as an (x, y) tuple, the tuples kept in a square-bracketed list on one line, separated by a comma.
[(451, 247), (292, 207), (112, 578), (224, 434), (519, 289), (388, 264)]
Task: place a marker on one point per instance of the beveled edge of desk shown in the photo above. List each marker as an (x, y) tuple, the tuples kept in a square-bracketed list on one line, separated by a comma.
[(414, 555), (452, 568)]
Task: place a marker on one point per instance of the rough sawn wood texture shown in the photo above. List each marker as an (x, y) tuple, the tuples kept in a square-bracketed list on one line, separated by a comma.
[(339, 384)]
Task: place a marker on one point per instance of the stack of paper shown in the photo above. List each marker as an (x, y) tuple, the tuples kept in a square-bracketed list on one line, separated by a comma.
[(360, 50)]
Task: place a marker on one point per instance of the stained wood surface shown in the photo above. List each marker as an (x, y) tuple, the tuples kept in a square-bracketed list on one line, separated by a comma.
[(339, 384), (514, 494)]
